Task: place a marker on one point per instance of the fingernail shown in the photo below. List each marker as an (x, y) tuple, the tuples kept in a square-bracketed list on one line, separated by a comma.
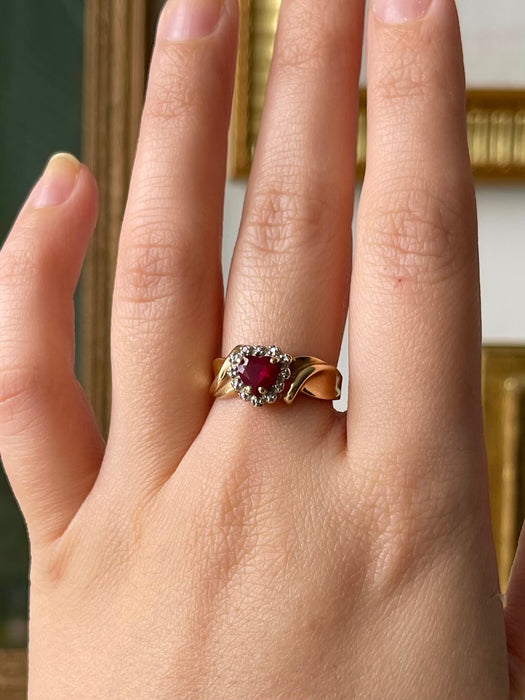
[(399, 11), (57, 182), (190, 19)]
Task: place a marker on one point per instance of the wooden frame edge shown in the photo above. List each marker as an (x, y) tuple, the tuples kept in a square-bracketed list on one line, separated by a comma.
[(238, 155), (503, 387), (115, 41), (13, 674)]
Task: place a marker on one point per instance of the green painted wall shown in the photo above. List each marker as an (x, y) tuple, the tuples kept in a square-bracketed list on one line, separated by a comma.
[(40, 113)]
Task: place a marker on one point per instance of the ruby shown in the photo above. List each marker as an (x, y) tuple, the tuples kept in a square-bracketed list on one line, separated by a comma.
[(259, 372)]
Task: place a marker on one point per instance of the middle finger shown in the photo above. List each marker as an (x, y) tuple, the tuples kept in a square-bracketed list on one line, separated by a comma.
[(166, 320)]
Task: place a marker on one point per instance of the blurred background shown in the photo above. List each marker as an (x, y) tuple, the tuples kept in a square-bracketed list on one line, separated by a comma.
[(41, 112)]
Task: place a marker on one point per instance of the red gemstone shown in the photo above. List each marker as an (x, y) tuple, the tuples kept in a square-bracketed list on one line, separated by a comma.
[(259, 372)]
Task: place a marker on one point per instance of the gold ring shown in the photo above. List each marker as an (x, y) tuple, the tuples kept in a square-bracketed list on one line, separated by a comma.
[(261, 374)]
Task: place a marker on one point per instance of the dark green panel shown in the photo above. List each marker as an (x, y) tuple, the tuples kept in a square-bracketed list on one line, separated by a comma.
[(40, 113), (40, 92)]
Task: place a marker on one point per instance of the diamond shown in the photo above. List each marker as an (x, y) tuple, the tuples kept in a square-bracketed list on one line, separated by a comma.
[(237, 383), (285, 373), (278, 386)]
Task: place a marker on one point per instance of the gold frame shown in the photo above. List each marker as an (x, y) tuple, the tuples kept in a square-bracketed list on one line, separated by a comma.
[(13, 674), (504, 414), (495, 118)]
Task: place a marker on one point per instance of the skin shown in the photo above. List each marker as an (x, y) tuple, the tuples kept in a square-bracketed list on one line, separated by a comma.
[(212, 551)]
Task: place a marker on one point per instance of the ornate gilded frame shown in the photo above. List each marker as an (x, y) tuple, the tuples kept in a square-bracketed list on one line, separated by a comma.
[(503, 384), (495, 118)]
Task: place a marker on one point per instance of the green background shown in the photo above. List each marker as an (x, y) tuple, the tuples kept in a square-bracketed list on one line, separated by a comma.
[(40, 113)]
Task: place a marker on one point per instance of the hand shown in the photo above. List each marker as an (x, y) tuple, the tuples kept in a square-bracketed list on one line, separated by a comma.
[(222, 552)]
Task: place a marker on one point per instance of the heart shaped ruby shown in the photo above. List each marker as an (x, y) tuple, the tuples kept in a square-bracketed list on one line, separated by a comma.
[(259, 372)]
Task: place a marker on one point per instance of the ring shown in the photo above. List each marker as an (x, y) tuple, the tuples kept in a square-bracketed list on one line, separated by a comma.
[(261, 374)]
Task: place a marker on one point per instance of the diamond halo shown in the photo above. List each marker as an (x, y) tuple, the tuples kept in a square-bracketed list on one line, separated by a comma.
[(259, 373)]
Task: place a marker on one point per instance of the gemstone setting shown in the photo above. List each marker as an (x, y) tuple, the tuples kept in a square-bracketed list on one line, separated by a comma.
[(258, 373)]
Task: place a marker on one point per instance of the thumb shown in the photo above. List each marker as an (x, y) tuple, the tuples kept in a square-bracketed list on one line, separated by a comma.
[(49, 441)]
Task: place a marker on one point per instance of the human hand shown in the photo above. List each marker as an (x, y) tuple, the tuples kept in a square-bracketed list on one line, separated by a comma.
[(214, 550)]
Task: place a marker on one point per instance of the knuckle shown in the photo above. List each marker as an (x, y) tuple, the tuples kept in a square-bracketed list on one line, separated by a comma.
[(411, 515), (18, 264), (157, 265), (171, 95), (19, 386), (403, 75), (414, 237), (24, 376), (15, 382), (239, 529), (56, 562), (21, 376), (293, 57), (313, 40), (234, 521), (282, 221)]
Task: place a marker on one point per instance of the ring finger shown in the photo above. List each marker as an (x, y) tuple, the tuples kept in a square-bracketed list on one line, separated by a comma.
[(291, 267)]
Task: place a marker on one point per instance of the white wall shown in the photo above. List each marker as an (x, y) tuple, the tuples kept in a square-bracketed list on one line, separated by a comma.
[(493, 33), (501, 212)]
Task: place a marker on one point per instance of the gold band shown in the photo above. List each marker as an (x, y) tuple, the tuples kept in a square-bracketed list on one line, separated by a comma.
[(307, 375)]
